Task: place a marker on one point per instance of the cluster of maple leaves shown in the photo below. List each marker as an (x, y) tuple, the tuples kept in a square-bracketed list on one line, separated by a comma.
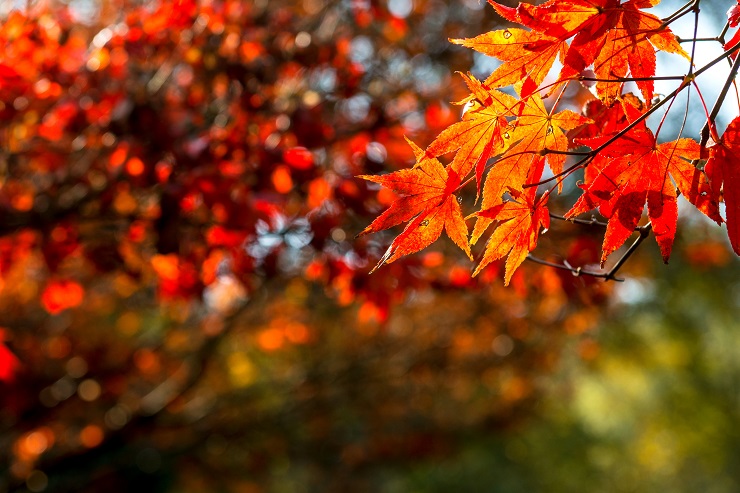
[(507, 136)]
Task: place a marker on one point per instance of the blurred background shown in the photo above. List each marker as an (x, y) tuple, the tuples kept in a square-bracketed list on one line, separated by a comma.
[(184, 307)]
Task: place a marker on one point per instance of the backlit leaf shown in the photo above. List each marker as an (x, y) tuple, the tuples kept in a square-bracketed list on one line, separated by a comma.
[(723, 170), (520, 221), (636, 170), (427, 192)]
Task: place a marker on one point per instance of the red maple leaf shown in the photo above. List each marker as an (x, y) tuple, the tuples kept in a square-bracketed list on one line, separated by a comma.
[(428, 191), (733, 16), (636, 170), (520, 221), (609, 119), (723, 170)]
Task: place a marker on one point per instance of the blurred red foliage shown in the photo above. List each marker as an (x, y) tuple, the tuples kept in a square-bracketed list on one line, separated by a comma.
[(179, 203)]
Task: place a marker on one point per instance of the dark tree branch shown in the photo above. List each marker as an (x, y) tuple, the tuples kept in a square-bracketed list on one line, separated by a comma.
[(586, 222), (576, 271)]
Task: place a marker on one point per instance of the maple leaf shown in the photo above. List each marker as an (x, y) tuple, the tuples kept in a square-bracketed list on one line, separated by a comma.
[(428, 197), (528, 56), (520, 221), (723, 170), (534, 131), (478, 136), (733, 17), (616, 38), (623, 40), (541, 131), (609, 119), (635, 170)]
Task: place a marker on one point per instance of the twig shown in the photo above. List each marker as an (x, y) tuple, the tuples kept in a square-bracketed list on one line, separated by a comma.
[(586, 222), (685, 9), (576, 271), (644, 233), (705, 130), (630, 79), (695, 40)]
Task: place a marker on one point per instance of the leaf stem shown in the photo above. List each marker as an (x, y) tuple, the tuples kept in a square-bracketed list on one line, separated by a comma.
[(665, 115), (630, 79), (701, 98), (686, 80)]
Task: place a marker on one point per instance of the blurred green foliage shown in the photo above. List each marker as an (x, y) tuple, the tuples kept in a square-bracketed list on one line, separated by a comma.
[(657, 410)]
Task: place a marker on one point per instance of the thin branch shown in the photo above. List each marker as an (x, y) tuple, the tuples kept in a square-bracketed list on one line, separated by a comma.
[(580, 164), (586, 222), (545, 151), (585, 161), (631, 79), (710, 124), (721, 36), (644, 233), (693, 45), (576, 271), (696, 40), (723, 56)]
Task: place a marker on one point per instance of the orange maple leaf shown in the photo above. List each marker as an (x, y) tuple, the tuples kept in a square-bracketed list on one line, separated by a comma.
[(528, 56), (535, 131), (478, 136), (520, 221), (723, 170), (562, 18), (733, 16), (634, 170), (428, 191), (541, 131), (617, 38)]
